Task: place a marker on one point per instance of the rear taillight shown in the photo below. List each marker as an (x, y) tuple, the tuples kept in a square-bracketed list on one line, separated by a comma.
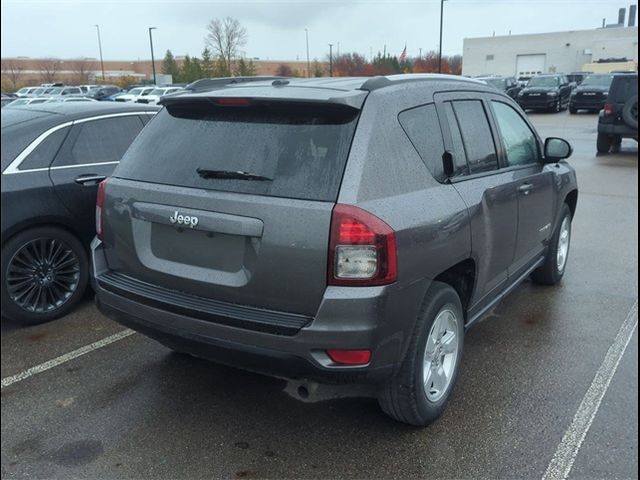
[(102, 186), (362, 248), (609, 109)]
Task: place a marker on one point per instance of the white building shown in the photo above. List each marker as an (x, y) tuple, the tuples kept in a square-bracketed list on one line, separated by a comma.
[(562, 52)]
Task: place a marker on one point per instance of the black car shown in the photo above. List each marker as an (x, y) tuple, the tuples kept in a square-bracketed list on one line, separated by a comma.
[(508, 85), (591, 94), (103, 92), (619, 117), (53, 157), (546, 92), (578, 77)]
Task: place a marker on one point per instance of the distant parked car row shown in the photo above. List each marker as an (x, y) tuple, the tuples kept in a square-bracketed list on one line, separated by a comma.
[(557, 92)]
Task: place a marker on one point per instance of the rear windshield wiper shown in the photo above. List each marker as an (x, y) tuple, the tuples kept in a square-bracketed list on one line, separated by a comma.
[(231, 175)]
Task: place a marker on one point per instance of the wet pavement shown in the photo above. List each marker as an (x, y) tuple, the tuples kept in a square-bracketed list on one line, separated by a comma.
[(133, 409)]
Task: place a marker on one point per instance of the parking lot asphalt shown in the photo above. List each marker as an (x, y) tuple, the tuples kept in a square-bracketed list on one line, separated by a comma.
[(133, 409)]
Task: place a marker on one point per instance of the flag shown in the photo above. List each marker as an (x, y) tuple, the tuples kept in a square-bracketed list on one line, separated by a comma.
[(403, 55)]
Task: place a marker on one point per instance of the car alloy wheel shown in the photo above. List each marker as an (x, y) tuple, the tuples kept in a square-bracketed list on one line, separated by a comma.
[(563, 244), (440, 355), (42, 275)]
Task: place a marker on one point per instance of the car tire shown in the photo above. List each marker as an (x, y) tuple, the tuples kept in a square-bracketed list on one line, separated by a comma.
[(603, 143), (555, 263), (573, 110), (45, 271), (630, 112), (409, 397)]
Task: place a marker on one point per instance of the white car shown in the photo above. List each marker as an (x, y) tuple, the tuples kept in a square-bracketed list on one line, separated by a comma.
[(135, 93), (25, 91), (57, 99), (28, 101), (154, 97)]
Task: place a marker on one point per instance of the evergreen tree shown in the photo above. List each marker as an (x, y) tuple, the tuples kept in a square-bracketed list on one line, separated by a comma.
[(245, 69), (170, 66), (208, 64)]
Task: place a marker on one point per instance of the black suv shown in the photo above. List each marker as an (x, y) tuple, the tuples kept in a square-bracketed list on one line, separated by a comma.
[(508, 85), (344, 229), (619, 117), (546, 92), (53, 157), (591, 94)]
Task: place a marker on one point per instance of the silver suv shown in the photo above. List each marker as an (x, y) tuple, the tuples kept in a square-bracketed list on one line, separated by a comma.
[(337, 229)]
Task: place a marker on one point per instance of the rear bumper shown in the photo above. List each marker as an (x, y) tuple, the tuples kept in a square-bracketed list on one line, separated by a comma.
[(535, 103), (348, 318), (622, 130), (587, 104)]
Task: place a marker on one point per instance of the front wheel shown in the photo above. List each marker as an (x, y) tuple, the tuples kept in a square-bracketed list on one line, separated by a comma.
[(573, 110), (44, 275), (419, 392), (552, 270)]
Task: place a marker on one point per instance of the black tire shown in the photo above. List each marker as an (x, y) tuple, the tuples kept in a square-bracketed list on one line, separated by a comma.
[(403, 397), (549, 273), (75, 255), (630, 112), (616, 144), (603, 143), (557, 107), (573, 110)]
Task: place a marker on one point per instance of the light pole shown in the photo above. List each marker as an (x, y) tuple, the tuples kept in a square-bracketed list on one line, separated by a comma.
[(331, 59), (306, 32), (100, 48), (153, 60), (440, 53)]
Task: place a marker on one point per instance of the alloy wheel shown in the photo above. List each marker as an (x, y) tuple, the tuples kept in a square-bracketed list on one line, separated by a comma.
[(440, 355), (42, 275)]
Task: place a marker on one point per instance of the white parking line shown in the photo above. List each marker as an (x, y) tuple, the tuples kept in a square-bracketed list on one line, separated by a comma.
[(65, 358), (568, 449)]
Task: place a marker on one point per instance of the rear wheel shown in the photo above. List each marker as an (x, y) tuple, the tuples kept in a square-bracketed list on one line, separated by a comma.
[(555, 263), (44, 275), (603, 143), (419, 392)]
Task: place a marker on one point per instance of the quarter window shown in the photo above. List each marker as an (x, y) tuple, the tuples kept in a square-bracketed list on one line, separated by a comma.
[(44, 153), (521, 145), (423, 129)]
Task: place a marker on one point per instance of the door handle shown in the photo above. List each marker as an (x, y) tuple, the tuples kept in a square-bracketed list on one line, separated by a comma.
[(89, 180), (525, 188)]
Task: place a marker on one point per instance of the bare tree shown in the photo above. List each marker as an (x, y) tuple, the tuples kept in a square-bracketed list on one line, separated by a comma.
[(224, 38), (48, 68), (81, 69), (13, 70)]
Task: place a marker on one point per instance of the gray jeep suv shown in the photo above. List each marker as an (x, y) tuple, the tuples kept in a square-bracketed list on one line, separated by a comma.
[(341, 229)]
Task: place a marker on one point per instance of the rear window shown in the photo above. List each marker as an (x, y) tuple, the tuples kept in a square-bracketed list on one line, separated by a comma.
[(624, 87), (298, 151)]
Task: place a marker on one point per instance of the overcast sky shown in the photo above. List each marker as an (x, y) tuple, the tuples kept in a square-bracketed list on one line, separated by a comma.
[(65, 29)]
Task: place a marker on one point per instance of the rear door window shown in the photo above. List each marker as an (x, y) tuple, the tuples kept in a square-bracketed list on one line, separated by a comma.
[(476, 135), (297, 151)]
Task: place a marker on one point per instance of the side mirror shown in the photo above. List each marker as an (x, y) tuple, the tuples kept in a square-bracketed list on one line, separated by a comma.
[(556, 149)]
